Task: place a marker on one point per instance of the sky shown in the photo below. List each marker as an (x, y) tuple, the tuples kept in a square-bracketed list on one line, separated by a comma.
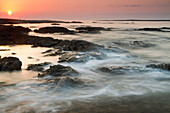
[(85, 9)]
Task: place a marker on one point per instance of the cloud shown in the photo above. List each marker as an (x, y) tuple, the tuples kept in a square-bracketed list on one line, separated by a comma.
[(135, 5)]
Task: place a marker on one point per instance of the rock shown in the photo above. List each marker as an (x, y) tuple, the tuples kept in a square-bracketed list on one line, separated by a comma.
[(48, 51), (77, 45), (4, 84), (4, 49), (10, 64), (19, 35), (55, 24), (149, 29), (30, 57), (54, 30), (159, 66), (54, 53), (116, 69), (13, 53), (76, 57), (65, 82), (91, 29), (59, 70), (141, 44), (38, 67)]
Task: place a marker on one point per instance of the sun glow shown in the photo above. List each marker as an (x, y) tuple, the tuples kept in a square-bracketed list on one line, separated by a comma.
[(9, 12)]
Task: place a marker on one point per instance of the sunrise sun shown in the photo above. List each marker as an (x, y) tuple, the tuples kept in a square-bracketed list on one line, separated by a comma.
[(9, 12)]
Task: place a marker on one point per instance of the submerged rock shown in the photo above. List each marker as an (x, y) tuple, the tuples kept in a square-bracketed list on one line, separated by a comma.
[(159, 66), (53, 53), (37, 67), (54, 30), (59, 70), (10, 64)]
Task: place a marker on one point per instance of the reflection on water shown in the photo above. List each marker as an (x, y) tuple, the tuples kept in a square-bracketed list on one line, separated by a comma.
[(30, 94)]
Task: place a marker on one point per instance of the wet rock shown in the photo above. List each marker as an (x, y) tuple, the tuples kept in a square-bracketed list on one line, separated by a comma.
[(4, 84), (159, 66), (55, 24), (116, 69), (76, 22), (59, 70), (13, 53), (77, 45), (54, 30), (141, 43), (76, 57), (10, 64), (4, 49), (38, 67), (91, 29), (149, 29), (19, 35), (48, 51), (54, 53), (65, 81), (30, 57)]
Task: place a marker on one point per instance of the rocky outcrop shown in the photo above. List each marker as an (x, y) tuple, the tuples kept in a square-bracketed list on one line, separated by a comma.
[(159, 66), (82, 58), (38, 67), (53, 52), (18, 35), (77, 45), (65, 81), (59, 70), (118, 70), (89, 29), (54, 30), (10, 64)]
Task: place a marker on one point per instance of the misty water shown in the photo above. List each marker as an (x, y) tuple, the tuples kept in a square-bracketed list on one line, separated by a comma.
[(27, 94)]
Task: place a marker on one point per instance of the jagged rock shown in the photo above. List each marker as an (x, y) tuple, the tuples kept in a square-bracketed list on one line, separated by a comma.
[(10, 64), (159, 66), (19, 35), (76, 57), (54, 53), (59, 70), (65, 81), (117, 69), (88, 29), (37, 67), (54, 30)]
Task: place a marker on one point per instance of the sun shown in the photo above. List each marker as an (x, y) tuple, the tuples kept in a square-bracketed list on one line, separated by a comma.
[(9, 13)]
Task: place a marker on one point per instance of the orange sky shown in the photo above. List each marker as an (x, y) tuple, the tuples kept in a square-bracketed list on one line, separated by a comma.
[(86, 9)]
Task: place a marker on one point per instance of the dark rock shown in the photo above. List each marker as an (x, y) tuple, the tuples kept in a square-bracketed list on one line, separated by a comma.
[(91, 29), (30, 57), (77, 45), (76, 57), (141, 44), (159, 66), (13, 53), (55, 53), (4, 84), (76, 22), (59, 70), (118, 70), (65, 82), (4, 49), (37, 67), (149, 29), (54, 30), (55, 24), (48, 51), (10, 64), (19, 35)]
